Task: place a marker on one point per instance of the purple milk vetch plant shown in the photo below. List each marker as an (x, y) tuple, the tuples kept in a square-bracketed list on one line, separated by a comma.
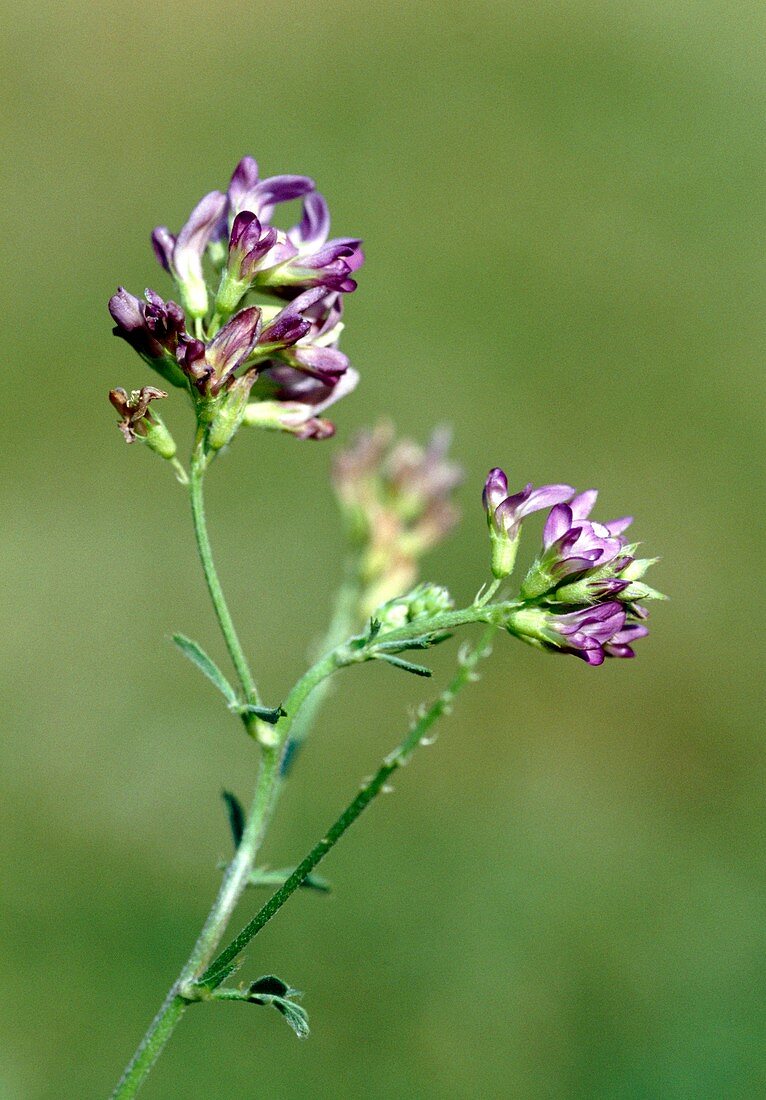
[(251, 338)]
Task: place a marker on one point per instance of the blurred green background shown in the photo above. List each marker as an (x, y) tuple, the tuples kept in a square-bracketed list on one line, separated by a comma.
[(563, 209)]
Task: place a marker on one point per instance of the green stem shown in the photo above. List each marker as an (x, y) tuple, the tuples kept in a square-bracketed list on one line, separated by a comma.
[(220, 606), (344, 622), (233, 885), (367, 793)]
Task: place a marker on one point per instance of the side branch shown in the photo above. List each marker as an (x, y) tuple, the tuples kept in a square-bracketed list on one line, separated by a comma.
[(219, 968)]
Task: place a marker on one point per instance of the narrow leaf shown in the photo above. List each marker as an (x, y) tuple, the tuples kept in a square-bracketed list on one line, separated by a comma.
[(236, 816), (199, 658), (407, 666)]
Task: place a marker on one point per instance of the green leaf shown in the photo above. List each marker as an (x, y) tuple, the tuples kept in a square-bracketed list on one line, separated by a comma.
[(271, 990), (236, 816), (271, 986), (263, 877), (407, 666), (296, 1016), (424, 641), (199, 658), (271, 715)]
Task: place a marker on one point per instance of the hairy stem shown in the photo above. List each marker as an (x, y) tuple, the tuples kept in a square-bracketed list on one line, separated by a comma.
[(217, 597)]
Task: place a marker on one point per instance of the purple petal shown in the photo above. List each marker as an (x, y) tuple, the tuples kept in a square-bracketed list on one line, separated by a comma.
[(195, 235), (559, 521), (612, 650), (544, 497), (617, 526), (163, 243), (232, 345), (582, 505), (630, 633), (325, 363), (269, 192), (243, 181), (495, 489), (314, 225)]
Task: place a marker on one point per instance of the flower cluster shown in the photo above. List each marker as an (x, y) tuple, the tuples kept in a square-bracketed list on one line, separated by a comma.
[(274, 362), (583, 593), (396, 497)]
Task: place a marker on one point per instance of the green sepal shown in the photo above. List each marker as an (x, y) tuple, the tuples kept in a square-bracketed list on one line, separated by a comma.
[(208, 668), (407, 666), (169, 370), (236, 816), (260, 876)]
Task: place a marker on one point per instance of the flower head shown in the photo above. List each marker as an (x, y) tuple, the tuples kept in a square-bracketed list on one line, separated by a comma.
[(289, 348)]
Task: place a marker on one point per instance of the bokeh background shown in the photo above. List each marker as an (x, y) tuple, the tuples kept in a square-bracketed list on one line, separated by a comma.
[(563, 208)]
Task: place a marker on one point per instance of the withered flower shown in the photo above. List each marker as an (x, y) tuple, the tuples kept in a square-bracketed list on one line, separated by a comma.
[(137, 422)]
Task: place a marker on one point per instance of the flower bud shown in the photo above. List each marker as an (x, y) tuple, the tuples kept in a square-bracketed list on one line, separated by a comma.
[(423, 602), (505, 515)]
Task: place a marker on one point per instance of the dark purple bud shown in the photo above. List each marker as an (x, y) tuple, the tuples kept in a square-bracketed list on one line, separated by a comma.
[(234, 342), (152, 327), (163, 243), (248, 244), (191, 359)]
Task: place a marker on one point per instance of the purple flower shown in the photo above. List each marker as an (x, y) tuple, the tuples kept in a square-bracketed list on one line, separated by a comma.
[(309, 258), (154, 328), (572, 546), (182, 255), (286, 263), (505, 515), (590, 633), (248, 192), (289, 401), (592, 558)]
